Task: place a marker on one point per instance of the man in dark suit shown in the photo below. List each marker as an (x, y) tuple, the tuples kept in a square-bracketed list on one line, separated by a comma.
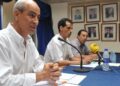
[(109, 12), (91, 32), (77, 14), (93, 14), (108, 32)]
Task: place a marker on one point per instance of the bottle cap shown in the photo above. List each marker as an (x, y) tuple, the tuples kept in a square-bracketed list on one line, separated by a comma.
[(105, 49)]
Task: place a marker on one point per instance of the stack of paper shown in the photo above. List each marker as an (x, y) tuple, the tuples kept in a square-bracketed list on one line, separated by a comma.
[(71, 79), (65, 80)]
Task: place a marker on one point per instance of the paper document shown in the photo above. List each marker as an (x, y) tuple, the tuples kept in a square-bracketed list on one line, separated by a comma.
[(63, 77), (66, 76), (42, 83), (71, 79), (114, 64), (92, 65), (77, 79), (68, 85)]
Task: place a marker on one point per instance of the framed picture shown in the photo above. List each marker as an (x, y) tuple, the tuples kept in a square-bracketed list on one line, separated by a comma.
[(77, 14), (93, 31), (109, 32), (110, 12), (93, 13)]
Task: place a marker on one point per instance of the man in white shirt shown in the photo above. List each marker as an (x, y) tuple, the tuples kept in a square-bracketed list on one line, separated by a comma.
[(20, 63), (58, 51)]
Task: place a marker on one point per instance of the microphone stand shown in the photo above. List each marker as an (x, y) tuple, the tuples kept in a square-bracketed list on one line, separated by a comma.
[(99, 61), (81, 69)]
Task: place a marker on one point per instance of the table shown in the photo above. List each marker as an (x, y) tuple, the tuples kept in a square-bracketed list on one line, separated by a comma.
[(97, 77)]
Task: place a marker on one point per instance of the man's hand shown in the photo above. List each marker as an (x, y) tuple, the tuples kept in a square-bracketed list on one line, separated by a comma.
[(63, 63), (89, 58), (51, 72)]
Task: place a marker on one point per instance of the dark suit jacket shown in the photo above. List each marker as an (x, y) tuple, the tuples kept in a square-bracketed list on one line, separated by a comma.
[(90, 34), (108, 35)]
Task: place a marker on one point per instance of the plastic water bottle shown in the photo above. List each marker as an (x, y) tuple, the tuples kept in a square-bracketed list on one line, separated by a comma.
[(105, 65), (113, 57)]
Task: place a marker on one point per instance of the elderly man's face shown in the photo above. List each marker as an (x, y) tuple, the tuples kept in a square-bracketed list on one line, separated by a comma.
[(29, 18)]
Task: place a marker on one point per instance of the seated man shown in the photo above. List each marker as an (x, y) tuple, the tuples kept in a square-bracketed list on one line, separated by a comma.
[(58, 51), (79, 43), (20, 63)]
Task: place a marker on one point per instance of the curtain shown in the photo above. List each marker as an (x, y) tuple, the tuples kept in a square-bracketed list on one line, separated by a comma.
[(6, 0), (45, 28), (0, 17)]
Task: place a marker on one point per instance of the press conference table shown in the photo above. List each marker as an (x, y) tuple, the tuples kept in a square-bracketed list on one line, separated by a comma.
[(96, 77)]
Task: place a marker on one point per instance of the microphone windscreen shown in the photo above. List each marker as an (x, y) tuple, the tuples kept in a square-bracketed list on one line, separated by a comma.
[(94, 48)]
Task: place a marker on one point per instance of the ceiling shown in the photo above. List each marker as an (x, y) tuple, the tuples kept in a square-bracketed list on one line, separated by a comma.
[(70, 1), (61, 1)]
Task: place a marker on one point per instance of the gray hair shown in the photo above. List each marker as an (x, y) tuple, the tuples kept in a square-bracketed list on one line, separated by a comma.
[(20, 5)]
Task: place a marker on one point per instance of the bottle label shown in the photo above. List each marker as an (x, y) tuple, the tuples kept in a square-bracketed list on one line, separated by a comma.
[(106, 60)]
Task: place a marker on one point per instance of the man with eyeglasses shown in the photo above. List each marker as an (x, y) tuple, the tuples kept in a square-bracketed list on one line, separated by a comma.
[(58, 51)]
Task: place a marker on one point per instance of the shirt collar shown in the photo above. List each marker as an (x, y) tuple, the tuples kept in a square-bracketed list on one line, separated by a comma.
[(81, 45), (59, 36), (15, 35)]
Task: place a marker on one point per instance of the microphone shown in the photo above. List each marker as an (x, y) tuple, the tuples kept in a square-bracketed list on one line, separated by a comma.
[(95, 49), (81, 69)]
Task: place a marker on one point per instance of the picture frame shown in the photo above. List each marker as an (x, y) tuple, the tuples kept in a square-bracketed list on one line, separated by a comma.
[(110, 12), (93, 13), (77, 14), (109, 32), (93, 31)]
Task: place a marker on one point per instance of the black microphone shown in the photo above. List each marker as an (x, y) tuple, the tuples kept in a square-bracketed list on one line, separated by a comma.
[(81, 69), (100, 58)]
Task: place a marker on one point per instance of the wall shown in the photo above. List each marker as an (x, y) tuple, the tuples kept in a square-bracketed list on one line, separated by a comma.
[(7, 13), (60, 10)]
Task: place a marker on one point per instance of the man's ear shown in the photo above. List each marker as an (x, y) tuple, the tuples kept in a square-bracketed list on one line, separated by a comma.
[(16, 14), (61, 28)]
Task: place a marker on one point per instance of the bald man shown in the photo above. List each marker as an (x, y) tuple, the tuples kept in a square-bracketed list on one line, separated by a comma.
[(20, 62)]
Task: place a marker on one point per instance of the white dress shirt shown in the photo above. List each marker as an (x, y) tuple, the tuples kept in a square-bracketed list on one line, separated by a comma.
[(57, 50), (17, 61)]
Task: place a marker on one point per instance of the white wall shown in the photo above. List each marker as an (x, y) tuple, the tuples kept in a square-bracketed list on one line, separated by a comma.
[(60, 10), (7, 13)]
